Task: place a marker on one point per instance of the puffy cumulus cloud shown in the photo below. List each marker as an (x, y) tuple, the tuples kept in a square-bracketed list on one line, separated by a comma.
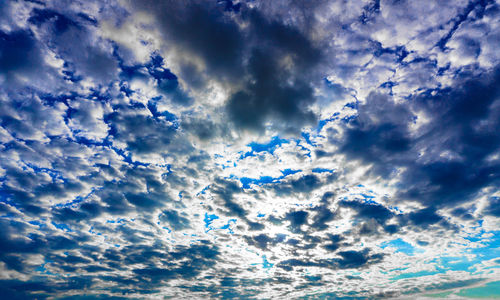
[(248, 149)]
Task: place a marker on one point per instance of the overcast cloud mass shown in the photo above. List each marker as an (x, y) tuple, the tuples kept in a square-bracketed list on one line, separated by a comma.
[(224, 149)]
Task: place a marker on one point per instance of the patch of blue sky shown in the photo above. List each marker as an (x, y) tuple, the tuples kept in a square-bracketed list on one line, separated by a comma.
[(274, 143), (91, 230), (269, 147), (54, 174), (347, 119), (42, 269), (223, 166), (287, 172), (305, 205), (489, 268), (491, 250), (168, 116), (266, 265), (458, 263), (368, 198), (365, 197), (400, 246), (62, 226), (353, 105), (307, 138), (322, 170), (127, 156), (491, 290), (308, 154), (228, 226), (208, 221), (37, 223), (397, 209), (261, 215), (78, 199), (209, 218), (439, 295), (323, 122), (119, 220), (203, 191), (247, 181)]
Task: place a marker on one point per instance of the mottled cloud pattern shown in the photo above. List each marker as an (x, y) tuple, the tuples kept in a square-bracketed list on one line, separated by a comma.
[(249, 149)]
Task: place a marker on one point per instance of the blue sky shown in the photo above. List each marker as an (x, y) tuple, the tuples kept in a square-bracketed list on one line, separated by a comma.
[(249, 149)]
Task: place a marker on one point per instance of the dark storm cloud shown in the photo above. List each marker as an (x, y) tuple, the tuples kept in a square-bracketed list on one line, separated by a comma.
[(379, 133), (375, 215), (425, 217), (446, 160), (19, 53), (297, 219), (494, 207), (275, 92), (204, 128), (202, 29), (269, 63), (71, 39), (270, 96)]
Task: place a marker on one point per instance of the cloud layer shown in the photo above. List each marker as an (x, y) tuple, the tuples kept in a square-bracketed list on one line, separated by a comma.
[(226, 149)]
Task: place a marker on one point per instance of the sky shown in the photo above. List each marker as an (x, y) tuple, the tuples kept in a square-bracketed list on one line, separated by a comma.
[(225, 149)]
